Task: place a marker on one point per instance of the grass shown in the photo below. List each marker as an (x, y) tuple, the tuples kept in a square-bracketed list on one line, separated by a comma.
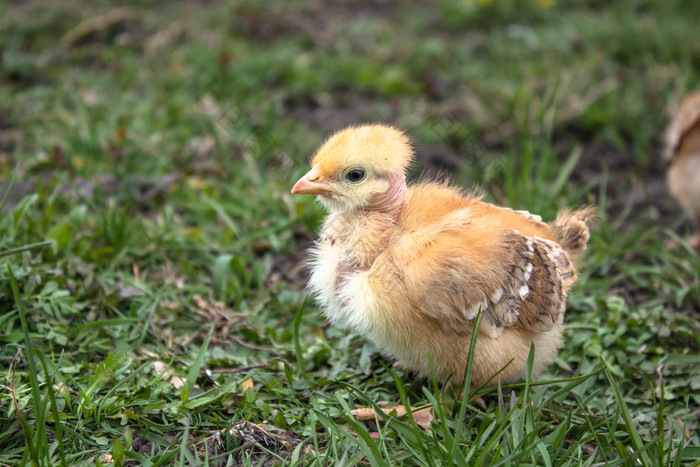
[(151, 284)]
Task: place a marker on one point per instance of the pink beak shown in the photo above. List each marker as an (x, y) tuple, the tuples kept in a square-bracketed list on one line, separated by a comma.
[(309, 185)]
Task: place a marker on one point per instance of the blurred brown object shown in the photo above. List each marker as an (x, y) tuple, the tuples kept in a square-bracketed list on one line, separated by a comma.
[(682, 149)]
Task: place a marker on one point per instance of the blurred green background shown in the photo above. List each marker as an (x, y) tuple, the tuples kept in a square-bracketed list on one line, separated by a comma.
[(153, 146)]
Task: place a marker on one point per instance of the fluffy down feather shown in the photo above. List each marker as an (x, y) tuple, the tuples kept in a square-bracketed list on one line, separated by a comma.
[(409, 268)]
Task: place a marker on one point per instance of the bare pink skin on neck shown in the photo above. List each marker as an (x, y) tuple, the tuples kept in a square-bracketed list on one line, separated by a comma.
[(392, 200)]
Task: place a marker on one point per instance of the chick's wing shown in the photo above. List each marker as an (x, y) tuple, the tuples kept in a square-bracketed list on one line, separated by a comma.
[(453, 268)]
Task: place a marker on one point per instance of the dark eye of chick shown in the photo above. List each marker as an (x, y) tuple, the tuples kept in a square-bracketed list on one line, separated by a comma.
[(355, 175)]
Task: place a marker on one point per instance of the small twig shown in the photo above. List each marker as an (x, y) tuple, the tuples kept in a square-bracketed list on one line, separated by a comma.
[(97, 24), (227, 371), (249, 345)]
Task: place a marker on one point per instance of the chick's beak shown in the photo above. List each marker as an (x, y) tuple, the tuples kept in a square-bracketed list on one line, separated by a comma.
[(309, 184)]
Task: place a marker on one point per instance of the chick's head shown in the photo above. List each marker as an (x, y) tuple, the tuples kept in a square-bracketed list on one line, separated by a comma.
[(360, 168)]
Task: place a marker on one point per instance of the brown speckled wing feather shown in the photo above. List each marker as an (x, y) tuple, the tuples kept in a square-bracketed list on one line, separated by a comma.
[(539, 276), (524, 286)]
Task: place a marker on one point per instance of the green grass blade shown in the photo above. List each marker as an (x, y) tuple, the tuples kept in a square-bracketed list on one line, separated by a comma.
[(54, 409), (23, 248), (39, 444), (297, 341), (368, 445), (9, 188), (466, 383), (636, 440), (198, 361), (565, 171), (185, 454)]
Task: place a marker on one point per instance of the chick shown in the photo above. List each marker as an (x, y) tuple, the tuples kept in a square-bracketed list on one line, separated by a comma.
[(682, 149), (409, 268)]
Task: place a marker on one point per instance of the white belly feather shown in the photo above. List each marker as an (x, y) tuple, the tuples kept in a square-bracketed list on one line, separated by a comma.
[(355, 306), (351, 305)]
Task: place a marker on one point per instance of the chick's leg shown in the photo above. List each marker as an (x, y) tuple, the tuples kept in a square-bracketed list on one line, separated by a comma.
[(422, 416)]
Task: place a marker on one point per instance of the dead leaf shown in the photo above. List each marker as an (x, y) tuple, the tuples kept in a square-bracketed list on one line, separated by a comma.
[(130, 291), (217, 313), (165, 371), (247, 384)]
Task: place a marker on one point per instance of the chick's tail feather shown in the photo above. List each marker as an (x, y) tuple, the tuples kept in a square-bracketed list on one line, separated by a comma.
[(570, 229)]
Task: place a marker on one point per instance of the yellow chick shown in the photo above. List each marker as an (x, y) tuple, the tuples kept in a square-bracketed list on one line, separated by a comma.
[(682, 149), (409, 268)]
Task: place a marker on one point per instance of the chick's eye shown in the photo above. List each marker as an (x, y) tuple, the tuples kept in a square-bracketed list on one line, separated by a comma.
[(355, 175)]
